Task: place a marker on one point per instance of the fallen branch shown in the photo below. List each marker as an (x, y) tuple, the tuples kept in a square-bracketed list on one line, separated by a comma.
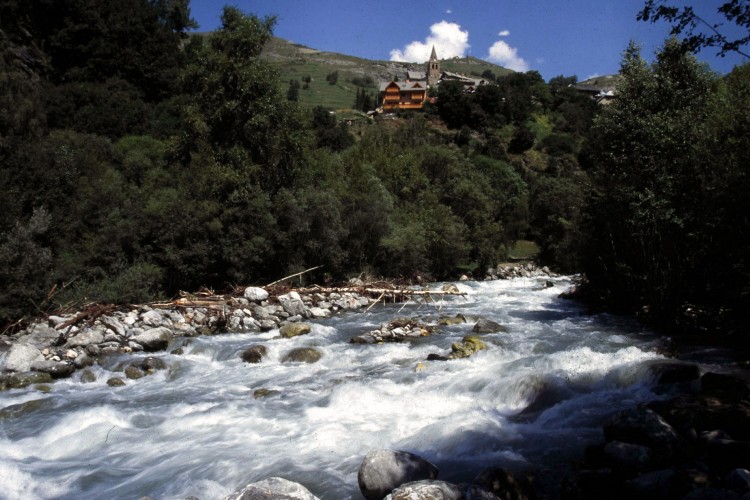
[(294, 275), (376, 291)]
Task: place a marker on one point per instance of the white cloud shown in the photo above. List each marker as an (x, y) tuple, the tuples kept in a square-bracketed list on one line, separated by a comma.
[(448, 39), (449, 11), (504, 33), (506, 56)]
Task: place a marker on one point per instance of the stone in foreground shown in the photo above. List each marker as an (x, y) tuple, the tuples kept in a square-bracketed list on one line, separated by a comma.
[(273, 488), (384, 470)]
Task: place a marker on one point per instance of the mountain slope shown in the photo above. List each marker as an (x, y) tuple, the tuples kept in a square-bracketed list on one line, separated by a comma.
[(296, 61)]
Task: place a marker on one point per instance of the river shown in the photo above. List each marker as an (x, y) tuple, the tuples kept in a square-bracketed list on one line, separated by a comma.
[(196, 428)]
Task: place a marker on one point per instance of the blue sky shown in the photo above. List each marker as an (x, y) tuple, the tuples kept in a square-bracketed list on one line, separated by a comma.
[(554, 37)]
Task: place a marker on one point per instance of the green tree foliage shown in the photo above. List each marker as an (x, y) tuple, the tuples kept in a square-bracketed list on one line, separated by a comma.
[(293, 93), (332, 78), (646, 213)]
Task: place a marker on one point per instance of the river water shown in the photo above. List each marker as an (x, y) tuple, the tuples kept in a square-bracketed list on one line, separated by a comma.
[(532, 400)]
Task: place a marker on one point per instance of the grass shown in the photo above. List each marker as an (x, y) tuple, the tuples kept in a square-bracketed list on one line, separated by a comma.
[(523, 250)]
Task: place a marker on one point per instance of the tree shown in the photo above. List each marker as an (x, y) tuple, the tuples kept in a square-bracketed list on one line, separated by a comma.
[(332, 78), (293, 93), (699, 32), (644, 214)]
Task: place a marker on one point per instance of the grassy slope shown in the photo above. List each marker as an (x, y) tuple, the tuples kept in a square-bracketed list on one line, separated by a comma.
[(296, 61)]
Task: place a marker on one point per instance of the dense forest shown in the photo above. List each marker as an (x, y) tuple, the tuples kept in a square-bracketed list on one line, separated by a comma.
[(139, 160)]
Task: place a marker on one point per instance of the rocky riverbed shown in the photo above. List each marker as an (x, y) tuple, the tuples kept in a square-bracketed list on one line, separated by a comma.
[(689, 439)]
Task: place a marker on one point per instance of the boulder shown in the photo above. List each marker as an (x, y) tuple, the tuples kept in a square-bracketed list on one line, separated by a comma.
[(450, 288), (255, 294), (86, 338), (273, 488), (319, 312), (151, 364), (56, 369), (627, 459), (114, 325), (504, 484), (458, 319), (156, 339), (644, 426), (20, 357), (133, 372), (468, 346), (115, 382), (383, 470), (293, 305), (290, 330), (487, 326), (88, 376), (152, 317), (426, 490), (303, 355), (264, 393), (253, 354), (40, 336), (20, 380)]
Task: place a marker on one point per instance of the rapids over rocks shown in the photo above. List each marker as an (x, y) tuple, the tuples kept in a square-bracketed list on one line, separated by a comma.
[(532, 399)]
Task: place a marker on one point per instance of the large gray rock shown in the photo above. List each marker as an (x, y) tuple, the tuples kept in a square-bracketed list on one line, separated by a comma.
[(40, 336), (253, 354), (85, 338), (114, 325), (292, 304), (303, 355), (426, 490), (273, 488), (20, 380), (56, 369), (255, 294), (383, 470), (156, 339), (488, 326), (20, 357)]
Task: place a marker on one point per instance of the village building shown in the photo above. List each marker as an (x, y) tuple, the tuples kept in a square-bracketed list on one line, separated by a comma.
[(412, 93), (601, 94)]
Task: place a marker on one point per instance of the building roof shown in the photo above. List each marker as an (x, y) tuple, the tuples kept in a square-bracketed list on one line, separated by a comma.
[(402, 85), (433, 56), (416, 75)]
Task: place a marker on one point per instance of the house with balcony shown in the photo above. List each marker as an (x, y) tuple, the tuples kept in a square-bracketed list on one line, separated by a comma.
[(402, 95)]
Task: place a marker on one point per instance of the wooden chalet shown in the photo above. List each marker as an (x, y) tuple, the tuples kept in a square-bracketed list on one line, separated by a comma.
[(402, 95)]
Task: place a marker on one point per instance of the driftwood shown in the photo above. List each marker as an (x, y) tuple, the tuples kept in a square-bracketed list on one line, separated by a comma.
[(92, 312), (375, 291), (294, 275)]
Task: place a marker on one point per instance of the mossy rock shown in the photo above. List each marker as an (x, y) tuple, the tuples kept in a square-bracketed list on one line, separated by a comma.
[(303, 355), (133, 372), (22, 409), (458, 319), (88, 376), (468, 346), (115, 382), (290, 330), (20, 380)]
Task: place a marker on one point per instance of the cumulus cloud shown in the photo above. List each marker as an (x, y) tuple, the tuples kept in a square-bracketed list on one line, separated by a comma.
[(448, 39), (506, 56), (504, 33), (449, 11)]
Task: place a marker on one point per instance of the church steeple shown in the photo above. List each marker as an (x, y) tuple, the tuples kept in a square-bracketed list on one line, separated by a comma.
[(433, 68)]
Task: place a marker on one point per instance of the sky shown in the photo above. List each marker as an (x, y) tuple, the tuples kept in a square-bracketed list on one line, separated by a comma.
[(553, 37)]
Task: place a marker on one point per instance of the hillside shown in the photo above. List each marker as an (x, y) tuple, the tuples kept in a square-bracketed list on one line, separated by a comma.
[(296, 61)]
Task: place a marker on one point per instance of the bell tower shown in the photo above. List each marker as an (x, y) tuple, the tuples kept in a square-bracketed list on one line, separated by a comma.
[(433, 68)]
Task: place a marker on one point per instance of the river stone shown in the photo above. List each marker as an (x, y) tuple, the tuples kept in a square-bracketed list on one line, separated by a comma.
[(628, 459), (88, 376), (133, 372), (264, 393), (302, 354), (645, 427), (457, 320), (504, 484), (114, 325), (383, 470), (115, 382), (273, 488), (56, 369), (426, 490), (253, 354), (319, 312), (290, 330), (487, 326), (292, 304), (468, 346), (255, 294), (40, 336), (85, 338), (21, 380), (155, 339), (20, 357), (152, 364)]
